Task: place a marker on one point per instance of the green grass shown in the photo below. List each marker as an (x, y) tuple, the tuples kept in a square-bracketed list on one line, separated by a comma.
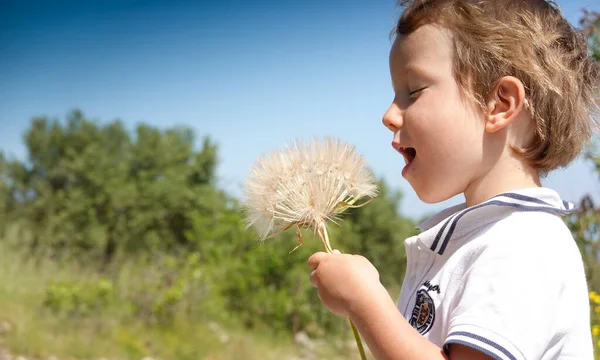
[(36, 331), (113, 332)]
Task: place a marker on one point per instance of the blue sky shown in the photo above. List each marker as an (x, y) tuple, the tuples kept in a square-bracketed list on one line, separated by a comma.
[(236, 71)]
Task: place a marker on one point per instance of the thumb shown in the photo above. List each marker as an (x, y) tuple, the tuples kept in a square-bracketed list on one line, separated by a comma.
[(336, 251)]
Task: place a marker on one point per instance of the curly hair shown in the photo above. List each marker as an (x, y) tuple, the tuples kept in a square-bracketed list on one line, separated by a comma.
[(531, 40)]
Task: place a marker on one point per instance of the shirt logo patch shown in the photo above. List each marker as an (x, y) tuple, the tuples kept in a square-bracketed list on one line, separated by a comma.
[(423, 313)]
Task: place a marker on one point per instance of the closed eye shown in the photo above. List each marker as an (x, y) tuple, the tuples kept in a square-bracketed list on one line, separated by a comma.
[(415, 92)]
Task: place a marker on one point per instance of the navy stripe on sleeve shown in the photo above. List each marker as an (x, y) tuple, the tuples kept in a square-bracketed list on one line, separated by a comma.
[(475, 341), (476, 347)]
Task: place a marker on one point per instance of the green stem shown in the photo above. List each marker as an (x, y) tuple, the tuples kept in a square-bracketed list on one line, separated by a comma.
[(322, 231), (361, 349)]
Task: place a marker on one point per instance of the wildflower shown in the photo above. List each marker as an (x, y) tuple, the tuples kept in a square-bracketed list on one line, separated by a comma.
[(596, 330), (594, 297), (306, 185)]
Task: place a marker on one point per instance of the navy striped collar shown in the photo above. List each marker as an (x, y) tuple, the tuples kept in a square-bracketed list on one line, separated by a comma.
[(452, 222)]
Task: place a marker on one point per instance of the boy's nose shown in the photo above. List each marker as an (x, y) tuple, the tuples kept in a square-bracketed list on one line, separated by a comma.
[(392, 119)]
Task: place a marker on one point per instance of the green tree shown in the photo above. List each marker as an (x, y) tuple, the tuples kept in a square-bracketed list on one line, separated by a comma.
[(590, 24), (585, 223), (94, 190), (4, 195)]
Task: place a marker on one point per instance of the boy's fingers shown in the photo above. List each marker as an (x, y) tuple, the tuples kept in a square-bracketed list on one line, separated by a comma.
[(313, 279), (336, 251), (315, 259)]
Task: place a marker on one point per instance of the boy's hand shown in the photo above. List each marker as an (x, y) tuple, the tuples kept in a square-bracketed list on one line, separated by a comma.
[(344, 282), (349, 285)]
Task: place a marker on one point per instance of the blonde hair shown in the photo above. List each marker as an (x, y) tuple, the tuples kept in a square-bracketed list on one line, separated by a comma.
[(532, 41)]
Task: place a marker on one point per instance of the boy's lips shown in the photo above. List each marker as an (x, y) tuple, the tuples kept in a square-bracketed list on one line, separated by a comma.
[(409, 153)]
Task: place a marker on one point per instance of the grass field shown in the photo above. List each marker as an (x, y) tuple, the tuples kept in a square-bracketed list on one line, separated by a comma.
[(29, 328)]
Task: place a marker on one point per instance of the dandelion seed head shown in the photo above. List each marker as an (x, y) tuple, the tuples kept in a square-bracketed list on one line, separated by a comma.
[(304, 183)]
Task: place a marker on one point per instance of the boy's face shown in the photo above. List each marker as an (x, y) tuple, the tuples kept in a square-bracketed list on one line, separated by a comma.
[(439, 132)]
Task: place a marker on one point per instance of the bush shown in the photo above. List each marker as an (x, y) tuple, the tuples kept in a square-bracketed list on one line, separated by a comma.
[(167, 289), (79, 298)]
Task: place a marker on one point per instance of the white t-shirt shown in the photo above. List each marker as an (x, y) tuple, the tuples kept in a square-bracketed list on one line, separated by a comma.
[(504, 277)]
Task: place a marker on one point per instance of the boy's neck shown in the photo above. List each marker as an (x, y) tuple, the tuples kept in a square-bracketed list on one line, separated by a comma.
[(508, 174)]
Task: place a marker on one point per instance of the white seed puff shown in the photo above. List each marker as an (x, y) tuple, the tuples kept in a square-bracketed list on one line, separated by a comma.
[(304, 184)]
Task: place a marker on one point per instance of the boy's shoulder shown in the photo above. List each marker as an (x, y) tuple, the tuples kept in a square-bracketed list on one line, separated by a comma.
[(524, 230), (532, 241), (527, 229)]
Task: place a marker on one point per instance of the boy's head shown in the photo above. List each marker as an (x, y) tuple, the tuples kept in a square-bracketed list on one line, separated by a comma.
[(518, 66)]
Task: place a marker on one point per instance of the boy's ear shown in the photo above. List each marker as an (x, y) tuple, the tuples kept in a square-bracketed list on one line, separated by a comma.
[(506, 101)]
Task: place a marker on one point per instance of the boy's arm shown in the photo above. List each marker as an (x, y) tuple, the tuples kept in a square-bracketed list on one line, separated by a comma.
[(390, 337), (349, 285)]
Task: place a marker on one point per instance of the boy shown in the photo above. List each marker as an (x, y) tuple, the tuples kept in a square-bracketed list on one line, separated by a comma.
[(489, 96)]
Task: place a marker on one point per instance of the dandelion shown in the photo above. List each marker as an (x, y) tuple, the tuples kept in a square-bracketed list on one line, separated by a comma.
[(596, 330), (306, 185)]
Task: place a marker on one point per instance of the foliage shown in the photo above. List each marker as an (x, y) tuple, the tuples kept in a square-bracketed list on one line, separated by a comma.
[(585, 227), (595, 316), (144, 209), (167, 288), (30, 328), (585, 223), (95, 191), (590, 24), (78, 298)]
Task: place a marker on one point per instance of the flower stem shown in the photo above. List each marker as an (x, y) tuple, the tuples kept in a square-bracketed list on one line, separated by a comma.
[(322, 231), (324, 237), (359, 344)]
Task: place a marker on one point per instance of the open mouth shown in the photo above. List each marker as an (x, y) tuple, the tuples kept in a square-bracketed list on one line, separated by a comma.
[(409, 154)]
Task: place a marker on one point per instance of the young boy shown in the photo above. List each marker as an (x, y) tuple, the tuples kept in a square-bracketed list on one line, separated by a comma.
[(489, 96)]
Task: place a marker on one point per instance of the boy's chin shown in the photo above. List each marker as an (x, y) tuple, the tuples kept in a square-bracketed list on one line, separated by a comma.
[(434, 195)]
